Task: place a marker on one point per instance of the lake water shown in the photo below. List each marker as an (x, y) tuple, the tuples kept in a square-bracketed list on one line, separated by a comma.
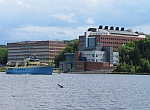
[(80, 92)]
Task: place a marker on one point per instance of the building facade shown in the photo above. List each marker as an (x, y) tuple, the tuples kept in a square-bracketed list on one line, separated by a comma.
[(97, 49), (44, 50), (109, 37), (90, 59)]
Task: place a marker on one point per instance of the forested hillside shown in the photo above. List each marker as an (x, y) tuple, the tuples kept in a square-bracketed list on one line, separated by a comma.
[(134, 57)]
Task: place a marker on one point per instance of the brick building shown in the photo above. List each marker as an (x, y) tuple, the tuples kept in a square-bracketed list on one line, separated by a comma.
[(109, 37), (44, 50), (97, 49)]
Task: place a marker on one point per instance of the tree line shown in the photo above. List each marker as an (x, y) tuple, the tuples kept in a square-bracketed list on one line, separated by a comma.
[(134, 57), (3, 54)]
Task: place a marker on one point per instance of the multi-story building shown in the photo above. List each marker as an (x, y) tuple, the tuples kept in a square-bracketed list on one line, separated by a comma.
[(109, 37), (90, 58), (97, 48), (44, 50)]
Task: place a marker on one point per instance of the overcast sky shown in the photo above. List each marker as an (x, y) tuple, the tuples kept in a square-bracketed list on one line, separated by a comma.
[(22, 20)]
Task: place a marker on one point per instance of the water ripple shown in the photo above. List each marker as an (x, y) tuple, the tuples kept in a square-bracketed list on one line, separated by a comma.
[(80, 92)]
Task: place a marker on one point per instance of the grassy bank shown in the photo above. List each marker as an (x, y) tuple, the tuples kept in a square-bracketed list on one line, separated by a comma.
[(2, 69)]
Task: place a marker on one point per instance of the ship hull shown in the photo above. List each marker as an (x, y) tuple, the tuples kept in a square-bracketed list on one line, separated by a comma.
[(47, 70)]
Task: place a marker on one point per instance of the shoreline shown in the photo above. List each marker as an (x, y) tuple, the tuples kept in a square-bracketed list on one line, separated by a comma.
[(95, 72), (100, 72)]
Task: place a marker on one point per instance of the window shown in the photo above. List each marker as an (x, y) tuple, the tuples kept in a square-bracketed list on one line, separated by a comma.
[(92, 55), (91, 42)]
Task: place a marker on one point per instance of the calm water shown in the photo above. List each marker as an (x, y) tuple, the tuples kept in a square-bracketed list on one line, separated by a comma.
[(80, 92)]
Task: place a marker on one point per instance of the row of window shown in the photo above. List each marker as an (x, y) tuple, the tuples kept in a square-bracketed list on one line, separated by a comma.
[(99, 33), (37, 53), (18, 47), (81, 39), (30, 50), (100, 60), (116, 39), (115, 61), (112, 43), (115, 56), (93, 55), (79, 65), (104, 43), (22, 57), (97, 60), (112, 46)]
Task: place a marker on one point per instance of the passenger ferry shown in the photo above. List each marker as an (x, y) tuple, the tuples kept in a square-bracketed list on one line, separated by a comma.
[(31, 65)]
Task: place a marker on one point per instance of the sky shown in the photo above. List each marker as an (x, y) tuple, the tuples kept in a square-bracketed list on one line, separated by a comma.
[(35, 20)]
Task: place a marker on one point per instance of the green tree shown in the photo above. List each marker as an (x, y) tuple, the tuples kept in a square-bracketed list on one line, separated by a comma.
[(147, 36), (71, 48), (3, 55), (136, 55), (144, 66)]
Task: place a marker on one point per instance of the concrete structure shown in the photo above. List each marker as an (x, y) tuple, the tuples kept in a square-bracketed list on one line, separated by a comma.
[(109, 37), (44, 50), (96, 59), (90, 59)]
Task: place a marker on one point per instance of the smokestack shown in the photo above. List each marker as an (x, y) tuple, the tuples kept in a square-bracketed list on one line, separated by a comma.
[(111, 28), (106, 27), (122, 29), (117, 28), (100, 27)]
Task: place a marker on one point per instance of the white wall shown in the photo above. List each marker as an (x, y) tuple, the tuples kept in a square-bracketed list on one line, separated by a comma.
[(115, 58), (94, 56)]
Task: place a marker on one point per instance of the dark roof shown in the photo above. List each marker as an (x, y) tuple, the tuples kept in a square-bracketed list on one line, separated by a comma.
[(140, 33)]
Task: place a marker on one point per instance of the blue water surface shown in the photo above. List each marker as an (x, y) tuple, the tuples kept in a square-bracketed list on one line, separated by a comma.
[(80, 92)]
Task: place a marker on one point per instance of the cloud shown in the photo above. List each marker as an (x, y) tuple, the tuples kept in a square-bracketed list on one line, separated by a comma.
[(61, 33), (2, 1), (90, 21), (64, 17), (31, 32), (23, 4), (34, 33), (142, 28)]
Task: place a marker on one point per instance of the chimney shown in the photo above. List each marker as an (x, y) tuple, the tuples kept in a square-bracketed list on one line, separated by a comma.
[(106, 27), (111, 28), (122, 29), (117, 28), (100, 27)]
